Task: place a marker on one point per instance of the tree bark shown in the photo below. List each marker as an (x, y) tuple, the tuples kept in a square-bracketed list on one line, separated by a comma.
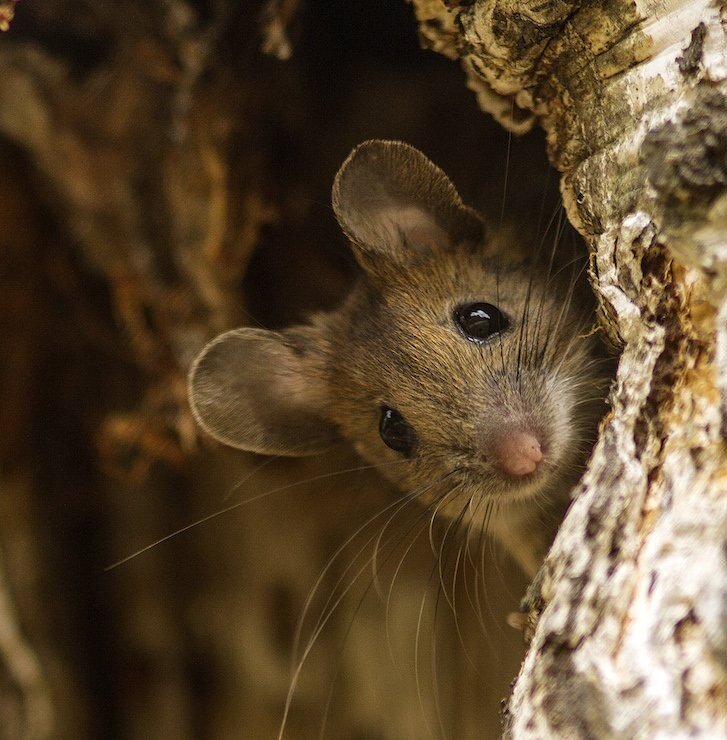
[(629, 637)]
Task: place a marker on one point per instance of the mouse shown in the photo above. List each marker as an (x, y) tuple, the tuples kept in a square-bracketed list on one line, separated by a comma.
[(463, 363)]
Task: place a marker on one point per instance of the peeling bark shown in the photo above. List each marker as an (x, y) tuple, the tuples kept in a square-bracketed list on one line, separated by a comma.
[(630, 638)]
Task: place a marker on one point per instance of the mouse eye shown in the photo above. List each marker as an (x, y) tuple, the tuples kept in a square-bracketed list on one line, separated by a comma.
[(395, 432), (480, 321)]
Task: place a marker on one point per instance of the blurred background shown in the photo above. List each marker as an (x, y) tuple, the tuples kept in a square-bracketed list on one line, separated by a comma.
[(165, 175)]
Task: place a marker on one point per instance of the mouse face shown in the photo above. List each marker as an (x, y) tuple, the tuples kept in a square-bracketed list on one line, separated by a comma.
[(453, 368), (459, 365)]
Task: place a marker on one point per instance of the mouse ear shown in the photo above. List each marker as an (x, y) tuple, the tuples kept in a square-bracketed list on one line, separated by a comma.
[(393, 202), (255, 390)]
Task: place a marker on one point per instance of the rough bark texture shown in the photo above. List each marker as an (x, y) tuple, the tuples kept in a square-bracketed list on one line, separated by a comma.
[(630, 638)]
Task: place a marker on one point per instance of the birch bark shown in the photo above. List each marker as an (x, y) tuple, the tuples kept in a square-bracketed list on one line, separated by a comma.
[(629, 633)]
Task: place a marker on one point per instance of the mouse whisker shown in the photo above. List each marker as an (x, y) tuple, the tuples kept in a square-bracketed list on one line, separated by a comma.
[(461, 558), (481, 524), (356, 610), (426, 515), (377, 544), (232, 507), (537, 329), (422, 516), (398, 505), (334, 601), (436, 569)]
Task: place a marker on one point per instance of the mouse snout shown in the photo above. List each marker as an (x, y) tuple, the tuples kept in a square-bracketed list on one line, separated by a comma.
[(517, 452)]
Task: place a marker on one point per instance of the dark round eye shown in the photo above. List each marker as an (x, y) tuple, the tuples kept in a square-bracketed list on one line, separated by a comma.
[(395, 432), (480, 321)]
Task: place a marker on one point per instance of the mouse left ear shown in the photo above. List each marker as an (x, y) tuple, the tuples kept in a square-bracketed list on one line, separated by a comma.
[(394, 203), (257, 390)]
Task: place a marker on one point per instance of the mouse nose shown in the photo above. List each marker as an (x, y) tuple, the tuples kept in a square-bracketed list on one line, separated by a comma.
[(517, 452)]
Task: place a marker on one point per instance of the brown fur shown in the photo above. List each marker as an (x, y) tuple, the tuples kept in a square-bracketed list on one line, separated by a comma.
[(395, 343)]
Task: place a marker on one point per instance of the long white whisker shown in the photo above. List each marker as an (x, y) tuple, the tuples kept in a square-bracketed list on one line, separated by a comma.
[(332, 604), (228, 509)]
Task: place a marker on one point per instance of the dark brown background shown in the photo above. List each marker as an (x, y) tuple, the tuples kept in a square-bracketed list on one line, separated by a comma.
[(162, 180)]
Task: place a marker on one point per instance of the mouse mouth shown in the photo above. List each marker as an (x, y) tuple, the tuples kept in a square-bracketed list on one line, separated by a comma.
[(490, 483), (528, 483)]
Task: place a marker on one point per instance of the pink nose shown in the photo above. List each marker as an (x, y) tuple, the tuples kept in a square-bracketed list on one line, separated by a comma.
[(517, 453)]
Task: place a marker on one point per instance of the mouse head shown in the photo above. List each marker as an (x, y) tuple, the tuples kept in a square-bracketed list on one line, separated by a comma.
[(456, 365)]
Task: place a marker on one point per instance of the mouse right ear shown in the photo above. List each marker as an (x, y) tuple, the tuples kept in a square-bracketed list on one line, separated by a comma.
[(257, 391), (394, 203)]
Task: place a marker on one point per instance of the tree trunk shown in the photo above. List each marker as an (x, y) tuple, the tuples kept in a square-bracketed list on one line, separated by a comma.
[(629, 639)]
